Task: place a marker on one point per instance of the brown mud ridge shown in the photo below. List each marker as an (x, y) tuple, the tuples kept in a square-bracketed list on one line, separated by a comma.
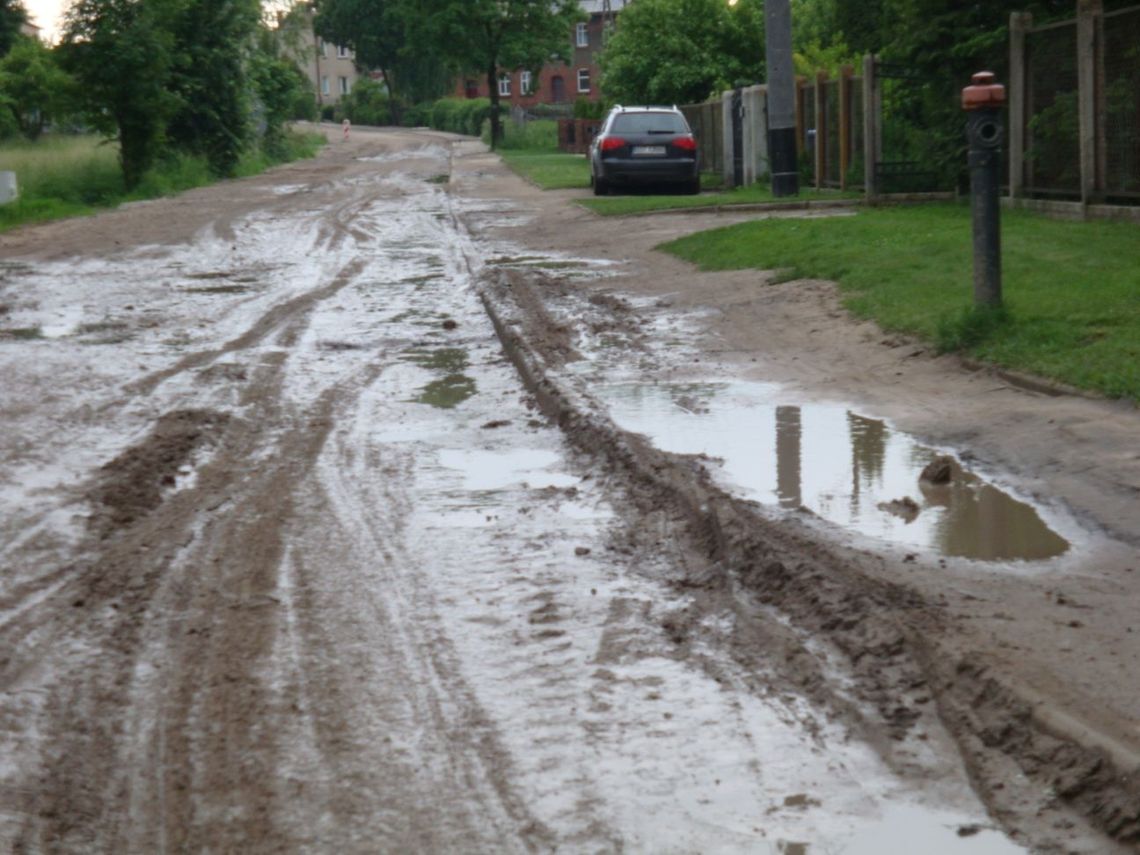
[(134, 483), (895, 640)]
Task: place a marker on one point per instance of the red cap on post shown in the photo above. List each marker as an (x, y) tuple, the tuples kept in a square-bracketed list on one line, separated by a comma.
[(983, 93)]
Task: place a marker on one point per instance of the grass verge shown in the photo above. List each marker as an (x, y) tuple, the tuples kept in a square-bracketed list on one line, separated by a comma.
[(1072, 290), (617, 206), (67, 176), (549, 169)]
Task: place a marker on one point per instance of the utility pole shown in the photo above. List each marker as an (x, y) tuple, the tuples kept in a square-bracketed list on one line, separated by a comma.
[(781, 98)]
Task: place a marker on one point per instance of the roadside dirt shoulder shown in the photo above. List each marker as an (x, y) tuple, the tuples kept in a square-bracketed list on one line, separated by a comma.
[(1033, 664)]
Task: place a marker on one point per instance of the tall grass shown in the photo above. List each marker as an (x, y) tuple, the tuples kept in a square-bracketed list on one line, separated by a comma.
[(62, 176)]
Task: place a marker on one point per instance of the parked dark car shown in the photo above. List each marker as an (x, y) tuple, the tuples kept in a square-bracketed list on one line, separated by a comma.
[(645, 146)]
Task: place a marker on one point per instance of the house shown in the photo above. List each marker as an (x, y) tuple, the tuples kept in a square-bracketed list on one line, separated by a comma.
[(331, 69), (30, 30), (561, 81)]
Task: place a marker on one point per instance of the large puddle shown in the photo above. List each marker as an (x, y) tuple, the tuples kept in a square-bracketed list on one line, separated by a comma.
[(851, 470)]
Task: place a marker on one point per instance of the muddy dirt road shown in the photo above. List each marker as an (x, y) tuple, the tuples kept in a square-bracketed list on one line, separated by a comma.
[(347, 508)]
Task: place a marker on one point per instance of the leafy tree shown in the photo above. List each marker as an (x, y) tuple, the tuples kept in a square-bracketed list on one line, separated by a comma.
[(209, 76), (33, 86), (12, 17), (375, 30), (490, 36), (121, 53), (280, 86), (681, 51)]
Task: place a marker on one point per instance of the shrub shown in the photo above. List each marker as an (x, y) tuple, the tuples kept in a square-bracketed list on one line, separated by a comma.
[(367, 104)]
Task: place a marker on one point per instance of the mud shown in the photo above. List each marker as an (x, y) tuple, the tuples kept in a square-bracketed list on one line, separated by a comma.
[(135, 483), (895, 640), (360, 618)]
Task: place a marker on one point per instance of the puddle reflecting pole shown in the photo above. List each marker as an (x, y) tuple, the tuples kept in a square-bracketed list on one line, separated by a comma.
[(983, 102)]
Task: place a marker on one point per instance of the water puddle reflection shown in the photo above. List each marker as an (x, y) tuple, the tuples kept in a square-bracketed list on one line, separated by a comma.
[(849, 469), (497, 470), (454, 387)]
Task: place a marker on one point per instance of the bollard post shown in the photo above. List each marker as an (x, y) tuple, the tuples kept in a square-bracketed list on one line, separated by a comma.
[(983, 102)]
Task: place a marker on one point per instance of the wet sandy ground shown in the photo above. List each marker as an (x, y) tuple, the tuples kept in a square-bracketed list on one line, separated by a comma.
[(294, 562)]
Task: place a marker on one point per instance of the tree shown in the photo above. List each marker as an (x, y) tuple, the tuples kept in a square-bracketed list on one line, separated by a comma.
[(12, 17), (214, 40), (681, 51), (280, 86), (493, 36), (121, 54), (33, 87), (377, 31)]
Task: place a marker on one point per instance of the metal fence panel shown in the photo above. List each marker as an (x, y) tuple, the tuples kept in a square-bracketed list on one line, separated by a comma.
[(1053, 150), (706, 120), (1121, 104)]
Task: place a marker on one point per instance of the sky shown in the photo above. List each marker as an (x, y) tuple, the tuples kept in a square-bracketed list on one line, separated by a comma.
[(46, 14)]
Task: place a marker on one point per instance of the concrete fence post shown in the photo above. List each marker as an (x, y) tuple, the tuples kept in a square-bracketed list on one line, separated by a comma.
[(870, 126), (728, 153), (1019, 25)]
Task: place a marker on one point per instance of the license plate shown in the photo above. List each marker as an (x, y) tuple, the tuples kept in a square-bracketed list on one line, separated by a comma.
[(649, 151)]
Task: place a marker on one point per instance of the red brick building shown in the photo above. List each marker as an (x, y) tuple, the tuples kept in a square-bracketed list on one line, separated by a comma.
[(562, 82)]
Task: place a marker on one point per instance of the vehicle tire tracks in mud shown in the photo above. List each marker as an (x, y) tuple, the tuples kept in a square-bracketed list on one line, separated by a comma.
[(891, 638)]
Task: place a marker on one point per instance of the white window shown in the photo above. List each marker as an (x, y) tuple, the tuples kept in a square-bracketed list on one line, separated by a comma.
[(582, 36), (343, 83), (583, 80), (324, 84), (524, 83), (505, 85), (342, 52)]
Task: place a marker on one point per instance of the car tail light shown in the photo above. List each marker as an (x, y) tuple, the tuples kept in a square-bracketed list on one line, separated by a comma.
[(685, 143), (612, 143)]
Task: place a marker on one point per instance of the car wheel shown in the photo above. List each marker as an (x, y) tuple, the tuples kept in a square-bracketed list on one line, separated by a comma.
[(601, 187), (693, 187)]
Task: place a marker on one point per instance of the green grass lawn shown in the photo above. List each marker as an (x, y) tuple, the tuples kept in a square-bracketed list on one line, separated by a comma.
[(1072, 290), (617, 206), (64, 176), (549, 168)]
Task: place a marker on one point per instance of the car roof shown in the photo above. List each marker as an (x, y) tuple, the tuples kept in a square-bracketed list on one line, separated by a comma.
[(619, 108)]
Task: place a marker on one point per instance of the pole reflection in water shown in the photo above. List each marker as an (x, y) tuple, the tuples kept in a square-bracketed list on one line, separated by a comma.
[(843, 466)]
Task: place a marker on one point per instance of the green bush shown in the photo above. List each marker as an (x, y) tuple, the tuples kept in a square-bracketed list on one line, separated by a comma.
[(416, 116), (367, 104), (584, 109)]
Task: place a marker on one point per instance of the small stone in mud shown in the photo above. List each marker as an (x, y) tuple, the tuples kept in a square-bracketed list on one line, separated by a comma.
[(497, 423), (78, 604), (905, 508), (940, 470), (581, 550), (169, 480), (969, 830), (449, 324)]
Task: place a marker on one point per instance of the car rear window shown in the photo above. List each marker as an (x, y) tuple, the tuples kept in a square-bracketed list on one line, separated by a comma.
[(649, 123)]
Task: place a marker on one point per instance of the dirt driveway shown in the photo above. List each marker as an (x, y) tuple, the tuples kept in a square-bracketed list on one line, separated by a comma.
[(385, 503)]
